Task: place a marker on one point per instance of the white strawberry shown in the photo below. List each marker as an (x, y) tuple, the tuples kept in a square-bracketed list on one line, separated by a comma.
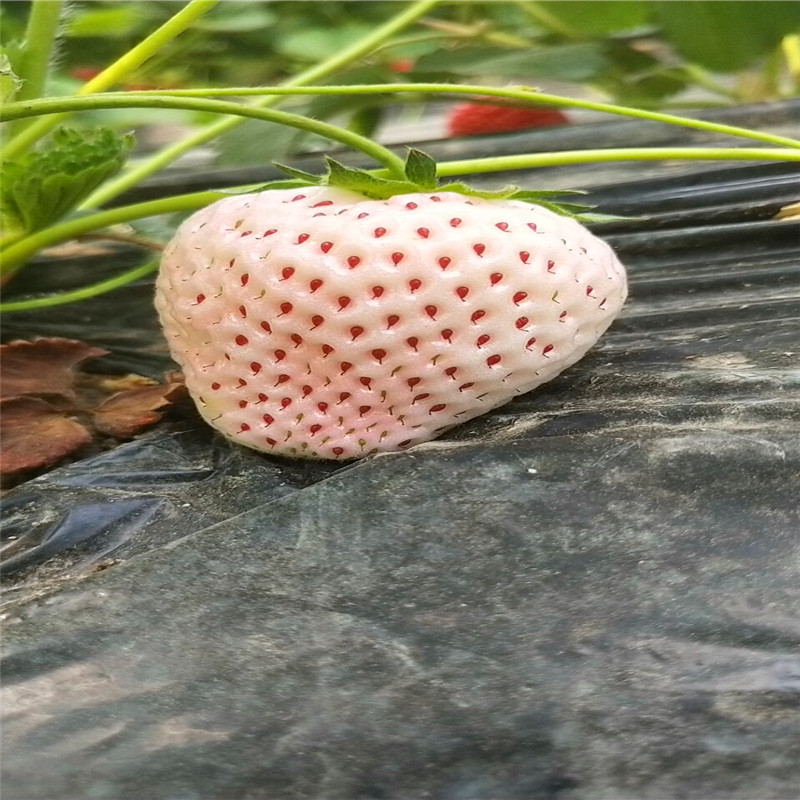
[(318, 323)]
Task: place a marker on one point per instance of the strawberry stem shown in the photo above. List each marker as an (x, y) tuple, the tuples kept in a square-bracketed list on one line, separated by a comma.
[(84, 293), (16, 255), (58, 105), (564, 157), (37, 50), (522, 95)]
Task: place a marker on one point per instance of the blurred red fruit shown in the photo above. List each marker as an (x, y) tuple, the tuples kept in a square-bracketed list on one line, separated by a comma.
[(84, 73), (401, 65), (474, 119)]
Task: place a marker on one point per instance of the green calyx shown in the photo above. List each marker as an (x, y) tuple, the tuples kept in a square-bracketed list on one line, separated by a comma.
[(421, 175)]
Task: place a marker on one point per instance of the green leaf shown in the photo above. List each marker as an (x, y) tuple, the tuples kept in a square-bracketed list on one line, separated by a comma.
[(581, 213), (43, 186), (593, 216), (569, 62), (312, 44), (254, 142), (462, 188), (509, 192), (567, 209), (638, 79), (280, 184), (237, 18), (597, 17), (117, 22), (457, 61), (365, 120), (533, 195), (300, 174), (421, 169), (723, 35), (9, 82), (14, 52), (359, 180), (326, 106)]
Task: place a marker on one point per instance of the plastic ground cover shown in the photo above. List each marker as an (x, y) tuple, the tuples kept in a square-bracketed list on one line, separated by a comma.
[(591, 592)]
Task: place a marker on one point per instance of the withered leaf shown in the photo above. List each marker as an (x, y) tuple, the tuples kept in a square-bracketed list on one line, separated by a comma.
[(127, 413), (791, 212), (34, 434), (43, 367)]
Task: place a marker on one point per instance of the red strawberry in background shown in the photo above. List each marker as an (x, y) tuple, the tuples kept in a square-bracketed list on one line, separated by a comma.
[(86, 74), (475, 119), (319, 323), (401, 66)]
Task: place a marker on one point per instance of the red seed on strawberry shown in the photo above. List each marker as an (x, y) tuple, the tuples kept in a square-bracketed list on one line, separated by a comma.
[(424, 329)]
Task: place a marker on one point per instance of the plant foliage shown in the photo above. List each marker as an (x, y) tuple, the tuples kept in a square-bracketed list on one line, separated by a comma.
[(43, 186)]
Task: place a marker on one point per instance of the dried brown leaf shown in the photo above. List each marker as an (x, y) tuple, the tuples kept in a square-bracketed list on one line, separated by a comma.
[(44, 367), (34, 434), (127, 413)]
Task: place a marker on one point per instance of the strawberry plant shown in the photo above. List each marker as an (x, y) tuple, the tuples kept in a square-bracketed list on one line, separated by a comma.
[(332, 315)]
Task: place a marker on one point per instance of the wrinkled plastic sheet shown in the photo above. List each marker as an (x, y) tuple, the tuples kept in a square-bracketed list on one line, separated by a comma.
[(591, 593)]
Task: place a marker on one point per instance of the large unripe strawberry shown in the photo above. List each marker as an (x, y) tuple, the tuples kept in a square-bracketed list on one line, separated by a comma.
[(318, 323)]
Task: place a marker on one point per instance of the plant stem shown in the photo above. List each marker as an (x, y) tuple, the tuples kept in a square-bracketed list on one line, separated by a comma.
[(771, 76), (38, 50), (84, 293), (148, 244), (54, 105), (791, 52), (39, 39), (521, 95), (531, 161), (116, 71), (700, 77), (350, 54), (18, 253)]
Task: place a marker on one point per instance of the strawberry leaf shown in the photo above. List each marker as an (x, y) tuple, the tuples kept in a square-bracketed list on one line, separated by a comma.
[(359, 180), (9, 82), (44, 367), (42, 187), (265, 187), (534, 195), (567, 209), (463, 188), (300, 174), (421, 170), (581, 213), (591, 216), (127, 413), (36, 434)]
